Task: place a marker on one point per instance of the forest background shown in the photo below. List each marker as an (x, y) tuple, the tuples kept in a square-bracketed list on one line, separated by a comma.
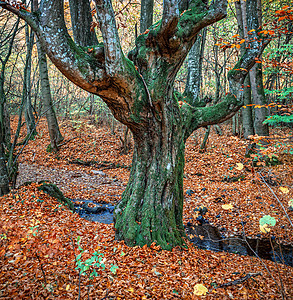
[(85, 137)]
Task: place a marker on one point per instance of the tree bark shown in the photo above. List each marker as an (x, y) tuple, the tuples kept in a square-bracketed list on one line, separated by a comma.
[(247, 117), (81, 20), (4, 181), (258, 96), (146, 14), (195, 59), (257, 89), (152, 204), (53, 127), (29, 115)]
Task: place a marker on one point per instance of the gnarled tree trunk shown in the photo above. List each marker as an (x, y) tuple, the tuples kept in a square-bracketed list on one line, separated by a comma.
[(152, 204)]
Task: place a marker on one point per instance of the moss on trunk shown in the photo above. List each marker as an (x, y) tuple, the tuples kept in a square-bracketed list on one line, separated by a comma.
[(152, 204)]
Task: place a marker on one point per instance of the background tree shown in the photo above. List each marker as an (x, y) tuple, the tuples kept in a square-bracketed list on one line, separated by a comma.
[(140, 93), (7, 36), (53, 127), (247, 117), (28, 112)]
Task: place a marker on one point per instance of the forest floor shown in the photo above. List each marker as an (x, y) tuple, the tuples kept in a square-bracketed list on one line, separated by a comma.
[(39, 237)]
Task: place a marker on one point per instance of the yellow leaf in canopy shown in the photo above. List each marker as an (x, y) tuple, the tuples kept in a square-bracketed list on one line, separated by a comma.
[(239, 166), (227, 206), (284, 190), (264, 228), (200, 290)]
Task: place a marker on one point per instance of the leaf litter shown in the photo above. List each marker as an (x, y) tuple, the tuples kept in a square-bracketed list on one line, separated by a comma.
[(38, 236)]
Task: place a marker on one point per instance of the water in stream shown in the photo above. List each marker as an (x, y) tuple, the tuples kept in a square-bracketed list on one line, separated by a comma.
[(93, 211), (204, 236)]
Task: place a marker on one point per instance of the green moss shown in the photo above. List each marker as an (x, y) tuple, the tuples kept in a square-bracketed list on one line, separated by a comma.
[(52, 190), (196, 12), (84, 60)]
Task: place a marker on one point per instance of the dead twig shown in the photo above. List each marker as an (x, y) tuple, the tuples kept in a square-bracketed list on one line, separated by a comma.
[(59, 145), (240, 280)]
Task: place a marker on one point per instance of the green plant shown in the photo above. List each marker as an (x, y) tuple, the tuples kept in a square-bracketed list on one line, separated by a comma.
[(276, 119), (91, 265), (265, 222)]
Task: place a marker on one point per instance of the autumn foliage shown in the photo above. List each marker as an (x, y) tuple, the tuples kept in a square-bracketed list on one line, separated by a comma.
[(38, 245)]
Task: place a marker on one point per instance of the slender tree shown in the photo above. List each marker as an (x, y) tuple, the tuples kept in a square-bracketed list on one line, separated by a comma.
[(81, 20), (194, 75), (247, 117), (140, 93), (7, 37), (46, 98), (26, 93)]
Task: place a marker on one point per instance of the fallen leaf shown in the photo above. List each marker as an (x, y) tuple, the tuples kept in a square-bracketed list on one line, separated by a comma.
[(284, 190), (239, 166), (264, 228), (200, 290), (227, 206)]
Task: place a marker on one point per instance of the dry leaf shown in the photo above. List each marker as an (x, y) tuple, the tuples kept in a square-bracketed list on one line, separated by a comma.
[(227, 206), (239, 166), (200, 290), (264, 228), (284, 190)]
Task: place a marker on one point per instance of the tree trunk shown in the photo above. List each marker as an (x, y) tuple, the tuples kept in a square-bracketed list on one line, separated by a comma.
[(195, 59), (4, 140), (152, 204), (247, 117), (53, 127), (81, 19), (29, 115), (257, 90), (146, 14), (205, 139), (258, 95), (4, 181)]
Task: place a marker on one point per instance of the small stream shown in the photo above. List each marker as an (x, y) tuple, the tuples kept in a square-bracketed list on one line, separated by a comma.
[(209, 237), (93, 211), (204, 236)]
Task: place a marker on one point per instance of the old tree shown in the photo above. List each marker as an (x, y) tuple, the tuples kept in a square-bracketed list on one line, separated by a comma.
[(139, 90)]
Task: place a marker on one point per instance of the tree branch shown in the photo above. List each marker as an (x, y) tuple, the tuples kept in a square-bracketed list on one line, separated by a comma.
[(170, 18), (113, 51), (204, 116), (74, 62), (199, 15)]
